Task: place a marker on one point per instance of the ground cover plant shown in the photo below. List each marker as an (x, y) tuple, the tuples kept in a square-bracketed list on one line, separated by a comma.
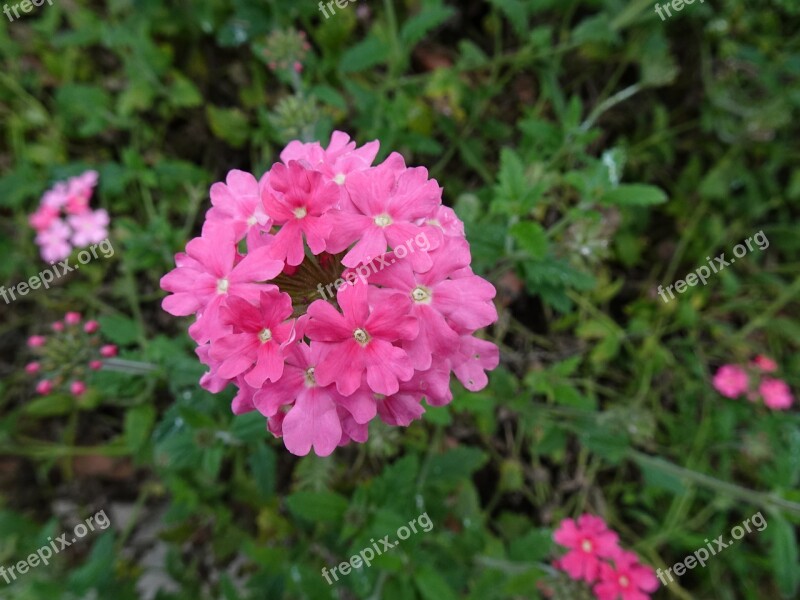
[(403, 299)]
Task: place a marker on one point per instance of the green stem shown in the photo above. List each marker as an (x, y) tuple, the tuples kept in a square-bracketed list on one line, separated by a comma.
[(761, 499)]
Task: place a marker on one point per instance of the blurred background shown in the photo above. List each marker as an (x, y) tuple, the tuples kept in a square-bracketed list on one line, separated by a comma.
[(595, 152)]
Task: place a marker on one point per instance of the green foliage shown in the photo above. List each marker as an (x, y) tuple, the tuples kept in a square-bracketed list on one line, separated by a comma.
[(594, 153)]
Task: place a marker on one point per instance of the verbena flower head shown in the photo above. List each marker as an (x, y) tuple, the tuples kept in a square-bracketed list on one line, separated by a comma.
[(732, 381), (65, 358), (330, 292), (597, 564), (64, 220)]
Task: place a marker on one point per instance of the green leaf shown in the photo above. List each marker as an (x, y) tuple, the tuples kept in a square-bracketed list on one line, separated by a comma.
[(417, 27), (317, 506), (365, 54), (50, 406), (455, 465), (139, 422), (183, 93), (432, 586), (516, 11), (531, 237), (785, 561), (263, 464), (228, 124), (634, 195), (119, 329)]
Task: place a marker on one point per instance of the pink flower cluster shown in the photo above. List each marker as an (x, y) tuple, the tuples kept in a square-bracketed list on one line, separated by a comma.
[(596, 558), (63, 359), (320, 370), (64, 219), (732, 381)]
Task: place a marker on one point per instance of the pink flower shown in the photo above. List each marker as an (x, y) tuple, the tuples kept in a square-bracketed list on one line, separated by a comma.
[(43, 218), (95, 365), (445, 307), (336, 162), (79, 192), (72, 318), (259, 335), (627, 580), (44, 387), (731, 381), (237, 204), (91, 326), (54, 241), (90, 227), (776, 393), (211, 270), (36, 341), (361, 339), (57, 326), (298, 200), (387, 201), (589, 540), (312, 420), (32, 368), (321, 370), (77, 388), (765, 364), (108, 351)]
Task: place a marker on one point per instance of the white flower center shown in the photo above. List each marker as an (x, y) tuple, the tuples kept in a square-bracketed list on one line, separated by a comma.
[(309, 377), (361, 336), (252, 221), (624, 581), (421, 294), (265, 335), (300, 212), (339, 179), (222, 286), (383, 220), (586, 546), (434, 222)]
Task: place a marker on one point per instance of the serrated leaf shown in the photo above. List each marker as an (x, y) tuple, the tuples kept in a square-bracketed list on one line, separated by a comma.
[(531, 237)]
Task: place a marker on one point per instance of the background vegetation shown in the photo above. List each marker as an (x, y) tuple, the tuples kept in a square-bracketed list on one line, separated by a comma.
[(594, 152)]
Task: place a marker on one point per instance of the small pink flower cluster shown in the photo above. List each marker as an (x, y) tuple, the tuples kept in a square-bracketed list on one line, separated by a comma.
[(732, 381), (596, 558), (57, 236), (64, 356), (322, 370)]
